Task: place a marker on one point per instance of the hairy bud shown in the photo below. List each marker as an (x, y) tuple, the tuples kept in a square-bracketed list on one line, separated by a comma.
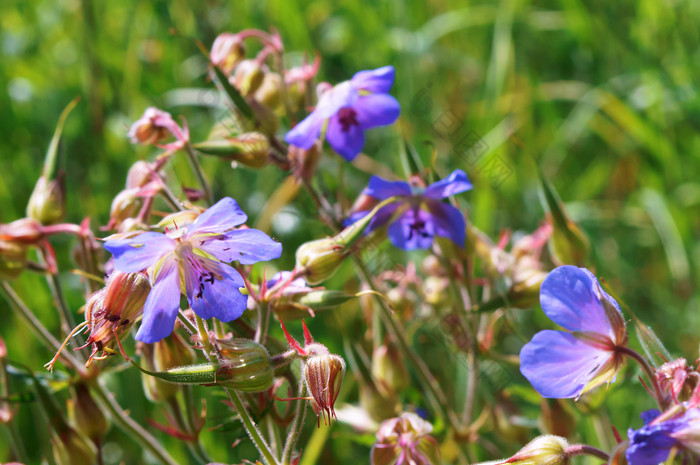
[(544, 450), (323, 374), (320, 259), (47, 204)]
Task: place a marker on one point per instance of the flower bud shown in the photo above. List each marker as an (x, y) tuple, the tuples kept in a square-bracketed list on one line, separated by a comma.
[(323, 374), (47, 204), (405, 440), (72, 448), (125, 205), (251, 149), (676, 380), (389, 369), (227, 51), (156, 389), (13, 259), (269, 91), (25, 231), (168, 353), (248, 78), (266, 119), (139, 174), (179, 219), (155, 126), (303, 161), (569, 245), (320, 259), (111, 311), (86, 416), (544, 450)]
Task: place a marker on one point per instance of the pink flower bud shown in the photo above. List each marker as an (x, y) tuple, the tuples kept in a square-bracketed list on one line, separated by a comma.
[(323, 374), (227, 51)]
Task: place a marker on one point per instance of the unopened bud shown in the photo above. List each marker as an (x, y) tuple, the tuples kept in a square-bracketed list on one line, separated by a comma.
[(269, 92), (544, 450), (249, 76), (389, 369), (139, 174), (319, 260), (72, 448), (303, 161), (323, 374), (227, 51), (676, 380), (569, 244), (84, 413), (266, 119), (25, 231), (13, 259), (407, 437), (179, 219), (251, 149), (125, 205), (47, 204), (156, 389)]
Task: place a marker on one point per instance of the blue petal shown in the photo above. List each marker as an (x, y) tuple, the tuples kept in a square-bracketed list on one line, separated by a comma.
[(343, 95), (378, 80), (650, 445), (457, 182), (246, 246), (403, 233), (376, 110), (448, 221), (162, 304), (219, 218), (217, 295), (139, 252), (649, 415), (382, 189), (569, 297), (346, 143), (305, 134), (558, 365)]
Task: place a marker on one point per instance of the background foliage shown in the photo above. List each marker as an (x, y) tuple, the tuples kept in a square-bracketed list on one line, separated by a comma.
[(603, 95)]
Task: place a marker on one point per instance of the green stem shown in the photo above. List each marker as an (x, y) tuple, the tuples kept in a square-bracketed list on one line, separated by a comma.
[(641, 361), (67, 322), (197, 168), (263, 322), (186, 323), (39, 330), (130, 427), (250, 427), (170, 199), (295, 430)]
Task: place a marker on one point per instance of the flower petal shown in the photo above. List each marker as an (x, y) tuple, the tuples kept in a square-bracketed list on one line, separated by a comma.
[(139, 252), (376, 110), (343, 95), (412, 230), (346, 143), (570, 297), (216, 293), (448, 221), (305, 134), (650, 445), (560, 366), (457, 182), (162, 304), (382, 189), (247, 246), (223, 216), (376, 80)]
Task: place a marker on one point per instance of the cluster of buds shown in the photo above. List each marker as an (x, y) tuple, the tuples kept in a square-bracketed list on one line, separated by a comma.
[(405, 440), (323, 373)]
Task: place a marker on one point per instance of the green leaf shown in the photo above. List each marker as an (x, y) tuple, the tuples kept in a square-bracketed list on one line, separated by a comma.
[(49, 170), (233, 93)]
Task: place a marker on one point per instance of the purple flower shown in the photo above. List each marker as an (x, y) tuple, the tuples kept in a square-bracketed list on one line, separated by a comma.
[(652, 443), (192, 260), (562, 364), (347, 110), (419, 214)]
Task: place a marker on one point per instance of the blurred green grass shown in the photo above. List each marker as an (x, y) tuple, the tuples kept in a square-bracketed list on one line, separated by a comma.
[(603, 95)]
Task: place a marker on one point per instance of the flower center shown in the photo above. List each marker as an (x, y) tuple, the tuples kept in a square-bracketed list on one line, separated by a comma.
[(347, 117)]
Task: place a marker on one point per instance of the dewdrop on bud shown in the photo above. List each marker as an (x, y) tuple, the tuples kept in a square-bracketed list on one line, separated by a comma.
[(319, 260), (84, 413), (405, 440), (248, 78), (47, 204), (323, 374), (13, 259), (544, 450), (227, 51)]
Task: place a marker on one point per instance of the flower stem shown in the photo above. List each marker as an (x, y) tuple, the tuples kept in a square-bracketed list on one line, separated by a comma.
[(641, 361), (130, 427), (295, 430), (250, 427), (263, 322), (584, 449), (197, 168)]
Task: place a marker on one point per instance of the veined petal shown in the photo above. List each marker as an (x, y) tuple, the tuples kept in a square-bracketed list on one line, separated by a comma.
[(162, 304), (376, 80), (343, 95), (570, 297), (382, 189), (376, 110), (139, 252), (651, 444), (454, 184), (347, 142), (306, 133), (213, 290), (412, 230), (247, 246), (560, 366), (223, 216), (448, 221)]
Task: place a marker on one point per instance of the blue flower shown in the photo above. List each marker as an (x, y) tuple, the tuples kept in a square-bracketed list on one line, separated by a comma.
[(419, 214), (652, 443), (192, 260), (347, 110), (562, 364)]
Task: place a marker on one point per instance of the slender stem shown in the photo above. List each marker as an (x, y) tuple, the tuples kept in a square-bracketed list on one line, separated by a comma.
[(197, 168), (130, 427), (186, 323), (263, 322), (584, 449), (39, 330), (204, 335), (67, 322), (295, 430), (170, 198), (250, 427), (646, 368)]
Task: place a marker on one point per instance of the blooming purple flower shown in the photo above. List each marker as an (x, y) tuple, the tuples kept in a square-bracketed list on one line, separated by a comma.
[(652, 443), (347, 110), (192, 260), (562, 364), (418, 215)]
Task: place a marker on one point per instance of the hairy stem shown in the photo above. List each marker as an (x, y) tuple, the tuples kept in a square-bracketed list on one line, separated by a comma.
[(295, 430), (251, 428)]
